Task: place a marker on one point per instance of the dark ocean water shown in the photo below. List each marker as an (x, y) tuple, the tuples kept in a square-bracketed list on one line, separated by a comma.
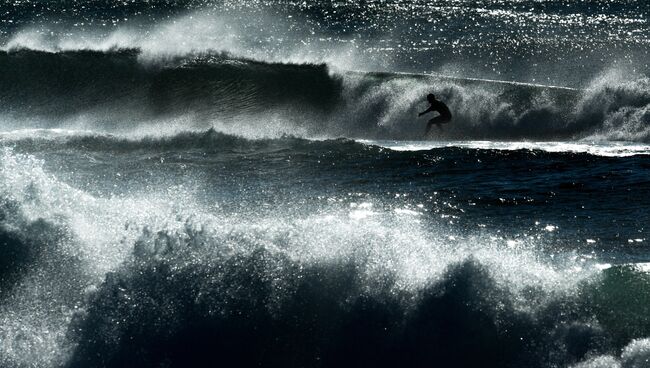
[(193, 183)]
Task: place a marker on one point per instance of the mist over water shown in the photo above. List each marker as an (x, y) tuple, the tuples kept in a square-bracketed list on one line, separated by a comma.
[(558, 42), (191, 183)]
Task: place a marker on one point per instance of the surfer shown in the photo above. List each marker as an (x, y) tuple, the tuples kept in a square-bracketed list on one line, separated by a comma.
[(440, 108)]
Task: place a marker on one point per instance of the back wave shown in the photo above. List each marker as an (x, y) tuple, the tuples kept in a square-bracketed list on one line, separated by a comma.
[(213, 142), (209, 141), (116, 91)]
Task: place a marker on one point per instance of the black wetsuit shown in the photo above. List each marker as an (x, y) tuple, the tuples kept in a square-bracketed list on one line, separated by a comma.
[(441, 109), (444, 117)]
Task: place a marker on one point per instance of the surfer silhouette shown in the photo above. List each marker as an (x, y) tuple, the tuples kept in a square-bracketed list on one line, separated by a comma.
[(440, 108)]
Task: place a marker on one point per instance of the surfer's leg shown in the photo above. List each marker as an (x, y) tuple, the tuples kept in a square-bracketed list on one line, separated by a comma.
[(435, 121), (441, 120), (429, 125)]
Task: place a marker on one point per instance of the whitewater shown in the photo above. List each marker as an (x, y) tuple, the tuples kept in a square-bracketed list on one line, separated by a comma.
[(197, 183)]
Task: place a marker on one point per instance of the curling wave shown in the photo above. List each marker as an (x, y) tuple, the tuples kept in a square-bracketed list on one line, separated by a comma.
[(116, 91)]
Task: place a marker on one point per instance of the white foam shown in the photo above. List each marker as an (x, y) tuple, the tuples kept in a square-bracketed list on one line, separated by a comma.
[(603, 361), (607, 149), (103, 230), (197, 32), (635, 355)]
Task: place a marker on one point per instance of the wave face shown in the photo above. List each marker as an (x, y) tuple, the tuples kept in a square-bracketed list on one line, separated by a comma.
[(107, 88), (115, 91)]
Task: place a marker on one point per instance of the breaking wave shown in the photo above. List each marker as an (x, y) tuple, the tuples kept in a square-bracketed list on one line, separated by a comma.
[(116, 91), (201, 183), (145, 280)]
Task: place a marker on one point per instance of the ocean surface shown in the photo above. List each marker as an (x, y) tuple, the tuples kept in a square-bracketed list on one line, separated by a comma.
[(245, 183)]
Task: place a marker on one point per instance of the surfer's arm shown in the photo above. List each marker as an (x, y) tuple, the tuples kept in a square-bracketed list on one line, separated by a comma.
[(425, 111)]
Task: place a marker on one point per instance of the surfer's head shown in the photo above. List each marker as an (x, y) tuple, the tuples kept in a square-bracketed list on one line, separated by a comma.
[(431, 97)]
